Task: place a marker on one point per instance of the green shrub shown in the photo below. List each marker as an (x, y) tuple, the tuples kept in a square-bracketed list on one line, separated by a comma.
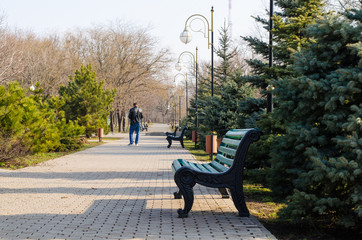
[(33, 124), (21, 122), (86, 100)]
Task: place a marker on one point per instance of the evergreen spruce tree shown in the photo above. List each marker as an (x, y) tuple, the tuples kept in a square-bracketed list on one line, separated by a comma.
[(290, 21), (222, 109), (319, 159), (288, 36), (86, 100), (226, 52)]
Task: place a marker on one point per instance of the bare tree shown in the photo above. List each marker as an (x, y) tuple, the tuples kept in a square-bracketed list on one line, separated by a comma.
[(126, 58), (342, 5), (44, 62), (10, 54)]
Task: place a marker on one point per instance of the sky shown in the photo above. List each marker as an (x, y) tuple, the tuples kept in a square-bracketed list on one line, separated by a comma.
[(164, 19)]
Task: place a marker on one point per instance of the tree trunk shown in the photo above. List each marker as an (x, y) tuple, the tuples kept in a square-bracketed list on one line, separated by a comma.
[(119, 121), (111, 121)]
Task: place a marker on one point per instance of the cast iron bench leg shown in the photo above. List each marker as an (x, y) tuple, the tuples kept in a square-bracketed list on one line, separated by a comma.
[(188, 194), (239, 202), (177, 194), (169, 141), (185, 182), (182, 142)]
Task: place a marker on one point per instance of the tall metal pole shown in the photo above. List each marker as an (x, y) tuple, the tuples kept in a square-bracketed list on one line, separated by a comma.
[(212, 74), (196, 117), (212, 51), (187, 98), (186, 38), (269, 95), (230, 21), (179, 109)]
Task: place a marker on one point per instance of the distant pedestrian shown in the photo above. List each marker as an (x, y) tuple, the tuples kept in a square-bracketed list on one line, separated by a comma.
[(135, 116)]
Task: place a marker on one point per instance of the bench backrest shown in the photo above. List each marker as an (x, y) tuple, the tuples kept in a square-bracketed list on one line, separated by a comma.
[(183, 131), (233, 149)]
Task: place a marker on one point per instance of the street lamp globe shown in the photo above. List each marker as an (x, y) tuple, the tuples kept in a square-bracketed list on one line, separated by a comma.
[(185, 36), (178, 66)]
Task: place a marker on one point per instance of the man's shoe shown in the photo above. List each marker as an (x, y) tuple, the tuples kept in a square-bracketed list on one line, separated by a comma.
[(137, 144), (130, 144)]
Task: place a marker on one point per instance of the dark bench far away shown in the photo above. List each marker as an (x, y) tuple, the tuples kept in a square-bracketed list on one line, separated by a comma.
[(226, 171), (172, 133), (174, 137)]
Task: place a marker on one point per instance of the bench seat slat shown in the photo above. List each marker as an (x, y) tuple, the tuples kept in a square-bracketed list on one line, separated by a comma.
[(205, 168), (225, 160), (176, 165), (236, 133), (219, 166), (200, 167), (210, 168), (227, 151), (189, 164), (231, 142)]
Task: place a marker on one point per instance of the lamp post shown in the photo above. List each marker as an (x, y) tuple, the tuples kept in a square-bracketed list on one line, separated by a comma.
[(208, 30), (269, 94), (174, 118), (187, 93), (179, 110), (186, 37), (178, 67)]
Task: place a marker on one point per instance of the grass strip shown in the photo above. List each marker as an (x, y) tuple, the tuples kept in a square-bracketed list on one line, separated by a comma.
[(32, 160), (199, 154)]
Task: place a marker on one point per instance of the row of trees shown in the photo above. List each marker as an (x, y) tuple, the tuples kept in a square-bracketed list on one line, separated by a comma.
[(310, 151), (125, 57), (81, 79), (32, 121)]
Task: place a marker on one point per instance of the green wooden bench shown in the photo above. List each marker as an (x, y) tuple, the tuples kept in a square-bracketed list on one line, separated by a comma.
[(225, 172), (174, 137), (172, 133)]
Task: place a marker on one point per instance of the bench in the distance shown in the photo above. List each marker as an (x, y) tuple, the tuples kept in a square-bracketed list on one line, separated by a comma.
[(226, 171), (174, 137), (172, 133)]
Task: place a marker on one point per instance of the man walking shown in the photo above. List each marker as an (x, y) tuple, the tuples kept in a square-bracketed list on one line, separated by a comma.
[(135, 116)]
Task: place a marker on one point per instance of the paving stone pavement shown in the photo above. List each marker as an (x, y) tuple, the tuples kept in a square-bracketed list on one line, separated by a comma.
[(115, 191)]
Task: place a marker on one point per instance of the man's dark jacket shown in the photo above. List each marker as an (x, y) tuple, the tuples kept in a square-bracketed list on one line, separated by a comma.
[(135, 115)]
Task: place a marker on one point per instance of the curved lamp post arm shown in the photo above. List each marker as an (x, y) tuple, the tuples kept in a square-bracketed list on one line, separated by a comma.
[(185, 36), (205, 31), (187, 93), (186, 53), (179, 66), (179, 74)]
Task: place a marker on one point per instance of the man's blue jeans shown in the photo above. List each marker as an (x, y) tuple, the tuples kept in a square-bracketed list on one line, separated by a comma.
[(135, 127)]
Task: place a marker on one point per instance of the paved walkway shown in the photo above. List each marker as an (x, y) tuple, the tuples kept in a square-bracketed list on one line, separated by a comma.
[(114, 191)]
